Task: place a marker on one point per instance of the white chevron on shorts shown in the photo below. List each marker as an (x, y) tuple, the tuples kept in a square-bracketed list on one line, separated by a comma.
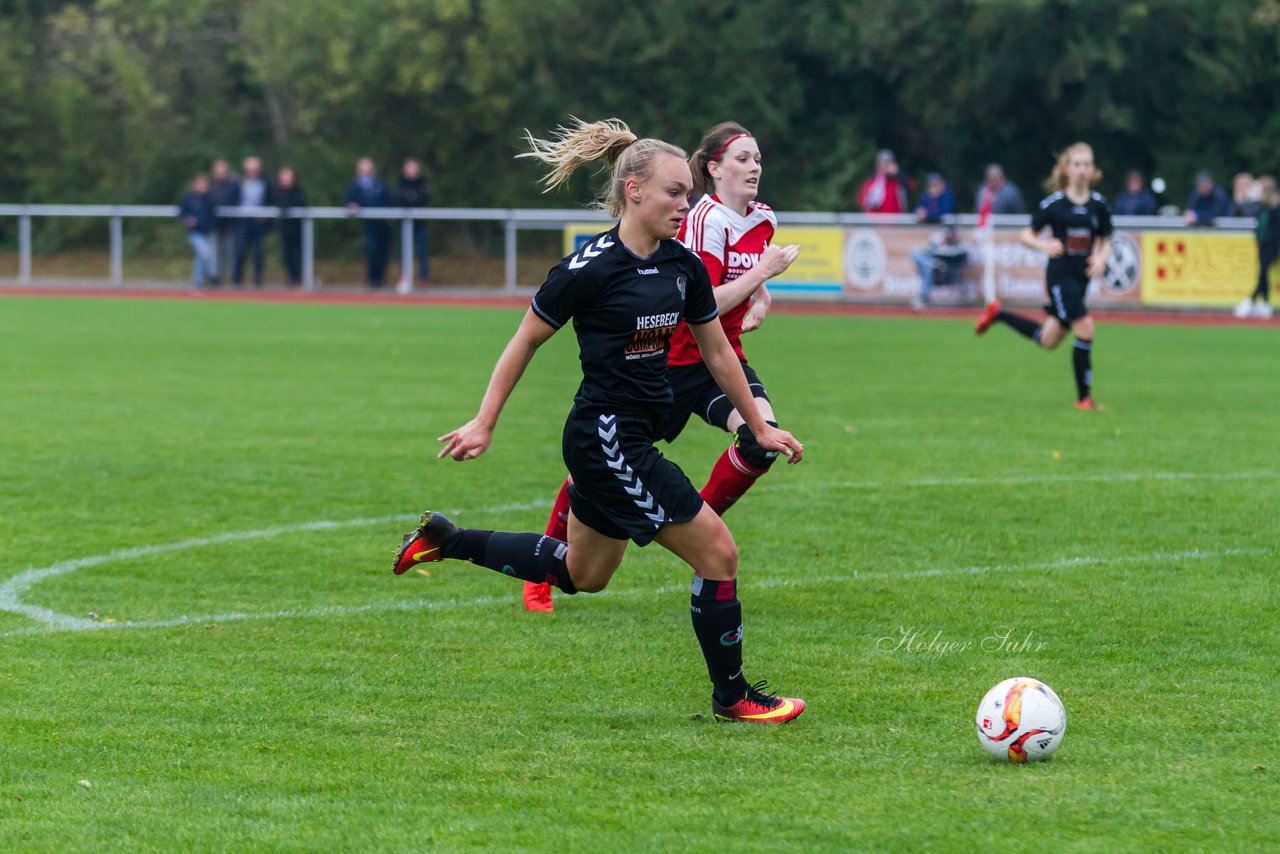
[(606, 430)]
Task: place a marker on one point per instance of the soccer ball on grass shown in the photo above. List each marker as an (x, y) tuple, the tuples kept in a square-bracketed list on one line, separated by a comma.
[(1021, 720)]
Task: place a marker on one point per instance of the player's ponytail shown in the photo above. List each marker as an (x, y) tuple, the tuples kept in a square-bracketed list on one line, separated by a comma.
[(714, 144), (1058, 179), (573, 147)]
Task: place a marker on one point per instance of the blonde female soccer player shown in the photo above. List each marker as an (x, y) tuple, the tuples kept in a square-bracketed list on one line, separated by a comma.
[(626, 291), (731, 232), (1078, 246)]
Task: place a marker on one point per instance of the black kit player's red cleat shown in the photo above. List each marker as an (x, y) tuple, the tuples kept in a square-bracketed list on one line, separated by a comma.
[(1088, 403), (423, 544), (759, 706), (987, 317)]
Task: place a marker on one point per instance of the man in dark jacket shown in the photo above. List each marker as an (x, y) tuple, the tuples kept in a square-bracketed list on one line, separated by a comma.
[(289, 195), (255, 192), (1207, 202), (370, 191), (224, 191), (414, 193), (195, 209)]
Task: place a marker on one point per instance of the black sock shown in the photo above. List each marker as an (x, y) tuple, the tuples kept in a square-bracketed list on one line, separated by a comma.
[(1018, 323), (1080, 360), (717, 621), (532, 557)]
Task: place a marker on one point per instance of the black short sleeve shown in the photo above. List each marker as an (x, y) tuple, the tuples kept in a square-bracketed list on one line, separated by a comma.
[(560, 296), (1104, 218), (699, 302), (1041, 216)]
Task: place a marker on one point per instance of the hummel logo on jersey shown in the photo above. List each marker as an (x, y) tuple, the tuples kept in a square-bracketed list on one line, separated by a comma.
[(647, 271), (590, 251)]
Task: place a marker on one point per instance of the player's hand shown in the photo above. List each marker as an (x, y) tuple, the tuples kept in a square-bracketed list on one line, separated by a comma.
[(1096, 266), (754, 316), (467, 442), (775, 260), (776, 439), (1053, 247)]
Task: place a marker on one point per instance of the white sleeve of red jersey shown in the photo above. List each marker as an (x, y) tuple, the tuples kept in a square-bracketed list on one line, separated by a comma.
[(706, 234)]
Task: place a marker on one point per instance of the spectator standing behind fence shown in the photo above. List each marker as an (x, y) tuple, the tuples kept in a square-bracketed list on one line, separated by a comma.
[(883, 192), (1135, 199), (224, 190), (255, 192), (996, 196), (370, 191), (1246, 199), (414, 193), (939, 263), (938, 200), (196, 210), (288, 195), (1207, 202), (1267, 231)]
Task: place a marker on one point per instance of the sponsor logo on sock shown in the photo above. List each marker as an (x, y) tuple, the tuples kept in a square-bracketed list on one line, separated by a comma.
[(731, 637), (508, 569)]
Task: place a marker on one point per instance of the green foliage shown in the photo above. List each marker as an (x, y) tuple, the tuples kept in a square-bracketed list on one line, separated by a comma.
[(124, 101)]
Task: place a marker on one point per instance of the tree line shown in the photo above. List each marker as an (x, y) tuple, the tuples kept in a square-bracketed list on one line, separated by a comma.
[(114, 101)]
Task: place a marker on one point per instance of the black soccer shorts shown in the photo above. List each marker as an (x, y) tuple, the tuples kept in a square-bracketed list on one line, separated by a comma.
[(1066, 301), (623, 487)]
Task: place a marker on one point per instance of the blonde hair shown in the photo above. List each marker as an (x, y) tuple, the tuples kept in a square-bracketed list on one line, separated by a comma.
[(573, 147), (1058, 180), (712, 150)]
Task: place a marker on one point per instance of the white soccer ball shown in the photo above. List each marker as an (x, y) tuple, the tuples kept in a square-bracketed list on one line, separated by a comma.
[(1021, 720)]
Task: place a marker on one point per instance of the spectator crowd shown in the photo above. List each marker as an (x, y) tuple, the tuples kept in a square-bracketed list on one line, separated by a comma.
[(224, 246), (943, 260)]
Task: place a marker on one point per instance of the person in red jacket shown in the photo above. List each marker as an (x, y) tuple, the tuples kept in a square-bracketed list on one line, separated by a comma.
[(731, 232), (883, 192)]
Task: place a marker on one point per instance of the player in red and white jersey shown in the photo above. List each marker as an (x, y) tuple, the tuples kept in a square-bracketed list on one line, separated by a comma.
[(731, 232)]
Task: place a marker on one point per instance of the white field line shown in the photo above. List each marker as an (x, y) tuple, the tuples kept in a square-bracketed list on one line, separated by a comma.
[(510, 600), (12, 590), (1115, 477)]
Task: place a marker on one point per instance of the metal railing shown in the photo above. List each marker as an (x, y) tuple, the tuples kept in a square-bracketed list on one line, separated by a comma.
[(513, 220)]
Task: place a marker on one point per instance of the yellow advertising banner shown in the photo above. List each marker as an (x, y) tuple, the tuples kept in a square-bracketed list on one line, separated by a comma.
[(1197, 268), (820, 265)]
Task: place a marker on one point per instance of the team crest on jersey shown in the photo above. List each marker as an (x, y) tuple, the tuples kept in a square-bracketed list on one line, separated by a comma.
[(681, 283)]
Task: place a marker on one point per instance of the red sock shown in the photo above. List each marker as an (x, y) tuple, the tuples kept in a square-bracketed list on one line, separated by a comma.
[(558, 524), (537, 597), (730, 479)]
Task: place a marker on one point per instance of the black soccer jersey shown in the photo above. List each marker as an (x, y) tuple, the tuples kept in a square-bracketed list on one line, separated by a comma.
[(1077, 226), (624, 309)]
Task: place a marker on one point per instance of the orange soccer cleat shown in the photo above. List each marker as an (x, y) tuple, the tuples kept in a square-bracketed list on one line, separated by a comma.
[(423, 544), (537, 597), (759, 706), (987, 317)]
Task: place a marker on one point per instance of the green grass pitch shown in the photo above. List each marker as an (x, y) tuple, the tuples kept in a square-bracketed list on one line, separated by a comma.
[(199, 502)]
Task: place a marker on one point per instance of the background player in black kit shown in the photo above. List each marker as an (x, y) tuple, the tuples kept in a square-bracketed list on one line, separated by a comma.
[(1078, 248), (625, 291)]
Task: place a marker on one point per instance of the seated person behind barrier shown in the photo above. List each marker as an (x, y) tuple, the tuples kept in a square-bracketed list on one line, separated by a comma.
[(939, 263)]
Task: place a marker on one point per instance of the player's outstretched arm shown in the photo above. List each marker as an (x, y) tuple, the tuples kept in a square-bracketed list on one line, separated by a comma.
[(471, 439), (727, 370)]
